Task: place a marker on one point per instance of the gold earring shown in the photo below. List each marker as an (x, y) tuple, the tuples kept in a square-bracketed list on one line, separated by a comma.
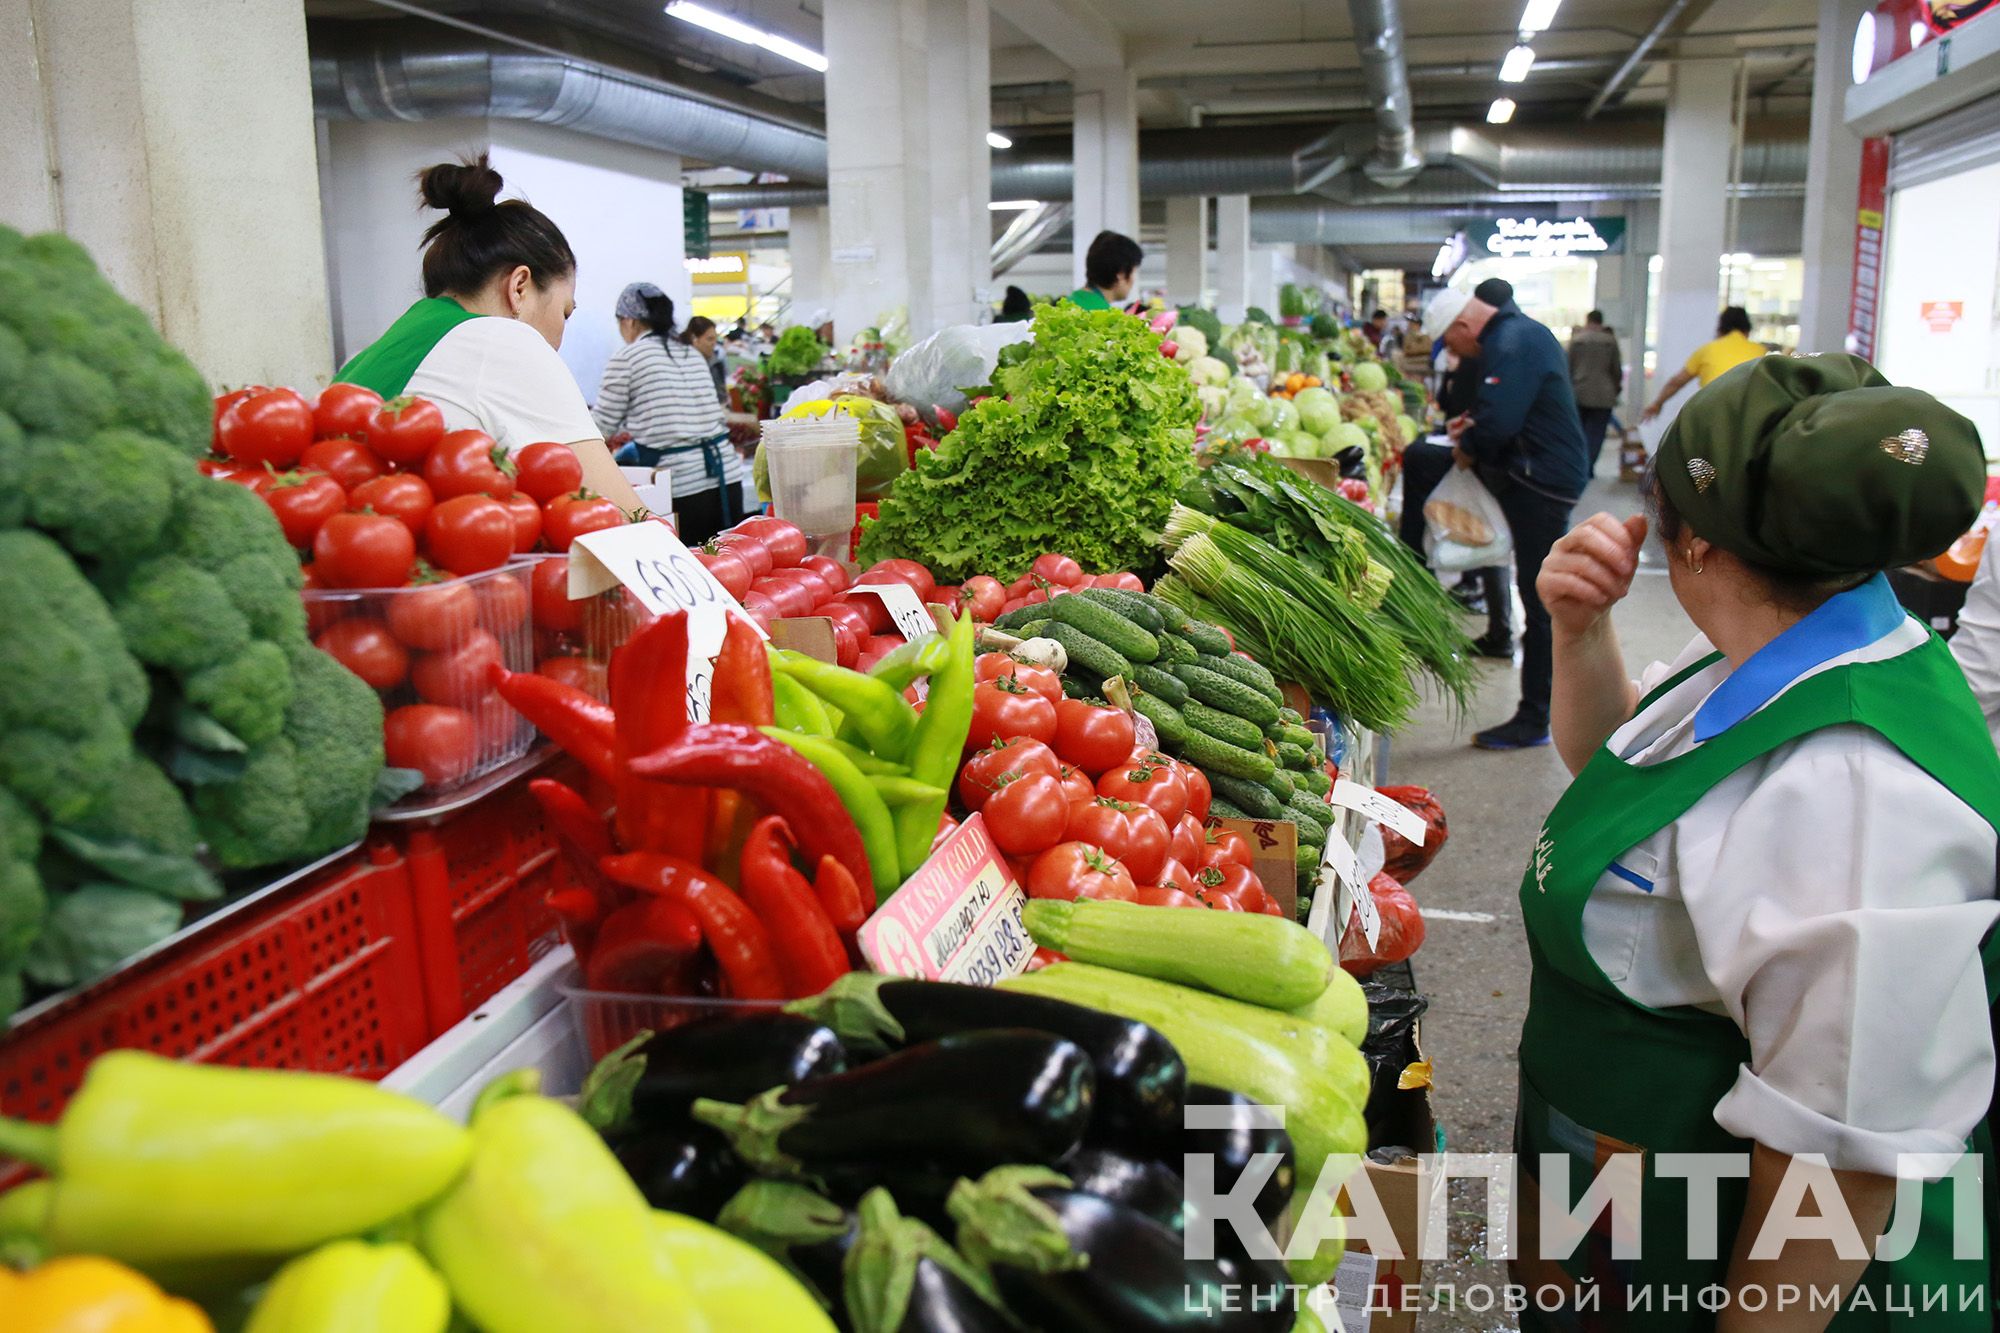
[(1694, 566)]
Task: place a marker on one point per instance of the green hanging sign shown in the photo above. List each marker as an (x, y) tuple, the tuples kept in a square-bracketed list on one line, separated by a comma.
[(694, 223), (1548, 238)]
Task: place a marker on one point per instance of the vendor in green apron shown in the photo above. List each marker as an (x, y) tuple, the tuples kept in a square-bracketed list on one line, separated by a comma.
[(499, 284), (1760, 918), (1110, 270)]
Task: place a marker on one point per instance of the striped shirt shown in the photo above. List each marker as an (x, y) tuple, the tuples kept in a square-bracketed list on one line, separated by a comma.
[(666, 398)]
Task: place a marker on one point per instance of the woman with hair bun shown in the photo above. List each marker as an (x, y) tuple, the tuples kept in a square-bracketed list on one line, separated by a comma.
[(499, 282)]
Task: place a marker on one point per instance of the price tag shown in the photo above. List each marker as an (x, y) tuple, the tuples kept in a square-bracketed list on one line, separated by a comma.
[(1341, 894), (913, 619), (958, 918), (1390, 814)]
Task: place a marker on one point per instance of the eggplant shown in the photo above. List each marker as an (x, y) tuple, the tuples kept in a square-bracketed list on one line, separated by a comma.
[(654, 1078), (901, 1277), (1238, 1143), (963, 1104), (1064, 1259), (810, 1236), (688, 1169), (1156, 1189), (1140, 1076)]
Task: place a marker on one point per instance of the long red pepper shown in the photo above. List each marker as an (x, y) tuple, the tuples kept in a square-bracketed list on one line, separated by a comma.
[(802, 935), (649, 697), (739, 692), (777, 777), (643, 948), (840, 896), (579, 723), (735, 936)]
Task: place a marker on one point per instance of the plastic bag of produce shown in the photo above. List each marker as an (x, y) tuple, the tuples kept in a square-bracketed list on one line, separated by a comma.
[(1404, 859), (936, 372), (1464, 527), (884, 453), (1402, 931)]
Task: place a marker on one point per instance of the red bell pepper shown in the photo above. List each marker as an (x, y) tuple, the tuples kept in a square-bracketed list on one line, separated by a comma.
[(644, 948), (840, 896), (649, 697), (735, 936), (802, 935), (579, 723)]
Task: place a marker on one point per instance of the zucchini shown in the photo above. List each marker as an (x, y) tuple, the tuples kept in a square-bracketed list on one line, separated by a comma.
[(1222, 726), (1175, 650), (1166, 719), (1341, 1008), (1207, 639), (1100, 622), (1246, 672), (1218, 808), (1293, 757), (1312, 808), (1127, 605), (1281, 785), (1214, 756), (1251, 957), (1315, 781), (1247, 795), (1085, 652), (1165, 684), (1228, 695)]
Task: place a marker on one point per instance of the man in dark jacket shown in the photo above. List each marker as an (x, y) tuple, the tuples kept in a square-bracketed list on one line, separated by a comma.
[(1523, 437)]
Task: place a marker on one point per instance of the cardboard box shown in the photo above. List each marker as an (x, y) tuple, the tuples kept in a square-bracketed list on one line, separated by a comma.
[(1404, 1193), (1274, 848), (1631, 457), (1320, 471)]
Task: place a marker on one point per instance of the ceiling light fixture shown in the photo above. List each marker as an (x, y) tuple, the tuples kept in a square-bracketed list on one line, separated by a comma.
[(1501, 111), (1515, 67), (995, 139), (704, 17), (1538, 16), (1014, 205)]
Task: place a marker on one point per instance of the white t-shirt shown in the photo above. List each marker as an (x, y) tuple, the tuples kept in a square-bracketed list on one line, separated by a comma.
[(1976, 645), (500, 376), (665, 398)]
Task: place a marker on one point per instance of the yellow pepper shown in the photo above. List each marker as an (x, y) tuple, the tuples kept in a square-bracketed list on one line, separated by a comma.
[(85, 1294), (735, 1284), (351, 1285)]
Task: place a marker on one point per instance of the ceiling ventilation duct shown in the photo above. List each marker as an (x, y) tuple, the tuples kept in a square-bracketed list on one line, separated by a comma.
[(1378, 36)]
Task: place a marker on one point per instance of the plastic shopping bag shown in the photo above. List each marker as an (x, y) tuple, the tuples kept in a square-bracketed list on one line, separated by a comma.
[(936, 371), (1464, 527)]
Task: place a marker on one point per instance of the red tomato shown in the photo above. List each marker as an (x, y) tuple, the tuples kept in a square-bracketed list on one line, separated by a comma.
[(1135, 834), (1126, 581), (554, 611), (755, 554), (346, 461), (1174, 874), (363, 551), (846, 645), (1072, 870), (1165, 896), (469, 533), (1229, 880), (503, 603), (763, 617), (1199, 792), (1213, 900), (831, 571), (901, 571), (843, 612), (984, 595), (303, 501), (581, 672), (544, 471), (434, 616), (1005, 707), (225, 401), (790, 598), (1222, 846), (988, 666), (984, 771), (1158, 785), (1042, 958), (468, 462), (874, 612), (1021, 587), (527, 516), (757, 604), (404, 497), (1076, 785), (1012, 604), (459, 674), (783, 540), (273, 426), (566, 518), (950, 598), (405, 429), (441, 743), (1190, 840), (1057, 569), (363, 646), (1026, 814), (813, 586), (730, 570), (345, 409), (1094, 737)]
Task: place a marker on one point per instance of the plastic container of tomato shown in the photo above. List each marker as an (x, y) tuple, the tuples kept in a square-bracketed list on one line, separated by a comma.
[(427, 649)]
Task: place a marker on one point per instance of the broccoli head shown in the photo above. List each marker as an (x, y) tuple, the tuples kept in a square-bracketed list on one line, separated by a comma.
[(260, 818), (265, 586), (137, 831), (13, 362), (60, 394), (13, 471), (106, 499), (335, 723), (218, 520), (247, 694), (22, 902), (178, 616)]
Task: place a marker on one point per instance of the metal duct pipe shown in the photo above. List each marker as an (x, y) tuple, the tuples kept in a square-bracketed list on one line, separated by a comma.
[(390, 73), (1624, 71), (765, 196), (1769, 225), (1378, 36)]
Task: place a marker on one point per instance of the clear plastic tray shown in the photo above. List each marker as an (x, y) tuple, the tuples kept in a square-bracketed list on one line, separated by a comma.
[(606, 1020)]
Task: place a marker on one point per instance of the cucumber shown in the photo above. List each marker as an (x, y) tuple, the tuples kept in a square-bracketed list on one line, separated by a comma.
[(1251, 957), (1307, 863), (1281, 785), (1309, 835), (1214, 756), (1127, 605), (1247, 795), (1207, 638), (1166, 720), (1172, 617), (1033, 629), (1292, 757), (1082, 687), (1175, 650), (1107, 627), (1313, 809), (1316, 781), (1218, 808), (1230, 696), (1222, 726), (1286, 733), (1291, 715), (1245, 672), (1165, 684), (1020, 615), (1086, 652)]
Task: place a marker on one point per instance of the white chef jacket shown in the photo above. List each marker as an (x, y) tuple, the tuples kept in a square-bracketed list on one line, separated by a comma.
[(1976, 644), (1829, 897), (501, 376)]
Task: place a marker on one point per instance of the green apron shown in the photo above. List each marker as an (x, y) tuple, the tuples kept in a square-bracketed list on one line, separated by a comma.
[(387, 364), (1601, 1074)]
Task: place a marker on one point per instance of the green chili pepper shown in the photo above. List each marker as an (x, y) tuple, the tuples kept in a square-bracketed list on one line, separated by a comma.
[(864, 805), (874, 708), (798, 708), (900, 791), (867, 762), (917, 658), (939, 744)]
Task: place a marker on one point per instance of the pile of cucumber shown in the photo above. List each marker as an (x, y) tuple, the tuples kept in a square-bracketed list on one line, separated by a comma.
[(1218, 711)]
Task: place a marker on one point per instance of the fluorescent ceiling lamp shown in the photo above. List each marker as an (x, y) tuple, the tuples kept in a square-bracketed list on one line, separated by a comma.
[(1517, 64), (704, 17), (1538, 16), (995, 139), (1014, 205), (1501, 111)]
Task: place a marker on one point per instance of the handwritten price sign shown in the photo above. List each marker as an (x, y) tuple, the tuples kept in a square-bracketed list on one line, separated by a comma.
[(957, 919), (1374, 805)]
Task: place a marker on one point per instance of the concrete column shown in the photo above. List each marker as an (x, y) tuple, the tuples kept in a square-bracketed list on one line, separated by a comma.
[(1187, 249), (1833, 179), (1232, 257), (1106, 147), (812, 278), (960, 164), (878, 151), (174, 140), (1642, 240), (1693, 205)]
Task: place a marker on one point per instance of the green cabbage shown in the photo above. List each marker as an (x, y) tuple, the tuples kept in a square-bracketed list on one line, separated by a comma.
[(1369, 376), (1319, 410)]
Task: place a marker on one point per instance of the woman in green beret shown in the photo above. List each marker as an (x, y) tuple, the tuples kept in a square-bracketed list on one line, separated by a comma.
[(1759, 918)]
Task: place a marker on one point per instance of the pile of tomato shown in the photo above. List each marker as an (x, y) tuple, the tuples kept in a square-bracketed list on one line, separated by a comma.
[(1051, 575), (1083, 811), (380, 495)]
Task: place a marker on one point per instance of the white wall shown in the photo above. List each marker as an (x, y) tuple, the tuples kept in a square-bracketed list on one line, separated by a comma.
[(1942, 247)]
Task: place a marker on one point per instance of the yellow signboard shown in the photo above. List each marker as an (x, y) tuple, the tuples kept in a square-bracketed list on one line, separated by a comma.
[(727, 269)]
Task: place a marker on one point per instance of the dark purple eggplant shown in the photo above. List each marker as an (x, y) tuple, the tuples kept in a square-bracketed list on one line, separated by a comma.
[(655, 1077), (1140, 1076), (809, 1235), (1237, 1145), (964, 1104), (686, 1169), (901, 1277), (1064, 1259), (1153, 1188)]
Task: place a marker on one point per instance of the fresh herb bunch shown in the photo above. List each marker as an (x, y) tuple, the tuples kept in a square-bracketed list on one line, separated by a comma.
[(798, 351)]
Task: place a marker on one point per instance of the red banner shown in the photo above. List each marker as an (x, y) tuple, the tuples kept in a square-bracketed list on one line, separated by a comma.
[(1864, 311)]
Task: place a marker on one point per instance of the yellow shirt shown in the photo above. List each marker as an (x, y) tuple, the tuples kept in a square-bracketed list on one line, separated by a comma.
[(1725, 353)]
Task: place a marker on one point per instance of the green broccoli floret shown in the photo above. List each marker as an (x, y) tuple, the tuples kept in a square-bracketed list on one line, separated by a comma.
[(226, 530), (22, 902), (335, 722), (265, 586), (94, 927), (60, 393), (13, 472), (13, 362), (138, 832), (107, 499), (178, 616), (260, 818), (247, 694)]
